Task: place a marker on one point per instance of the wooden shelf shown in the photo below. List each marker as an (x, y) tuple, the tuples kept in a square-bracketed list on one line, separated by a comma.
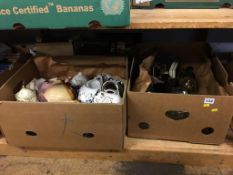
[(181, 18), (143, 150), (157, 150)]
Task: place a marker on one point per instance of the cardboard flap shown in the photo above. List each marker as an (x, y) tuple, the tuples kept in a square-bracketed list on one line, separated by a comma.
[(144, 80), (92, 60), (15, 83), (219, 71), (229, 88), (7, 73), (229, 68), (53, 49), (223, 71), (64, 67)]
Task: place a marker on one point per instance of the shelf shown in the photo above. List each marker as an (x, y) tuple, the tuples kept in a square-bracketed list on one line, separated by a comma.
[(157, 150), (181, 18), (143, 150)]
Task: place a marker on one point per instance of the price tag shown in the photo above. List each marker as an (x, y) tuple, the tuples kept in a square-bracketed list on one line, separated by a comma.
[(209, 101)]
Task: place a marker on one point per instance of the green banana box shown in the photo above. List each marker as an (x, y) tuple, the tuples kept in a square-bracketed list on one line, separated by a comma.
[(181, 4), (60, 14)]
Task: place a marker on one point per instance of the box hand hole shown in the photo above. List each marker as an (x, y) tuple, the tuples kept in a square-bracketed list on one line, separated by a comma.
[(30, 133), (159, 6), (88, 135), (144, 125), (226, 5), (207, 131), (94, 24), (177, 115), (18, 26), (1, 133)]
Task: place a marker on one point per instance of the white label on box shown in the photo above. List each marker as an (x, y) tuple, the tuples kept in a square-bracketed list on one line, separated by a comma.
[(209, 101), (142, 1)]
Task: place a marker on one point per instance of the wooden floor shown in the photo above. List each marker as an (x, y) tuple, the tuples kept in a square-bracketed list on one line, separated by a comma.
[(181, 18), (144, 150)]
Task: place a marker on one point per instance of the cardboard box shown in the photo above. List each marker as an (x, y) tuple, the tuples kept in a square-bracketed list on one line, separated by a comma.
[(61, 14), (63, 125), (192, 118), (182, 4)]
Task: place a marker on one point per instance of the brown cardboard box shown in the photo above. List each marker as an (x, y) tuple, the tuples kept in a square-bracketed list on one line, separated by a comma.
[(192, 118), (62, 125)]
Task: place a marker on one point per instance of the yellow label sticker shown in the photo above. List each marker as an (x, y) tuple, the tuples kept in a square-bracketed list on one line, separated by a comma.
[(214, 110), (206, 105)]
